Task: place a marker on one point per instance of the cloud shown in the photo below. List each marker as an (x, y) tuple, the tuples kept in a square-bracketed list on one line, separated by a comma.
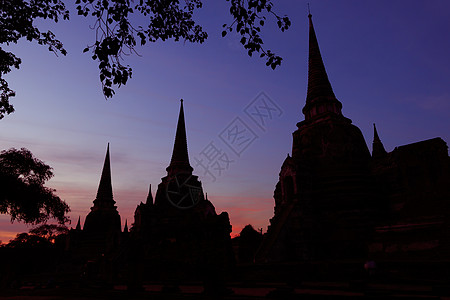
[(9, 230), (439, 103)]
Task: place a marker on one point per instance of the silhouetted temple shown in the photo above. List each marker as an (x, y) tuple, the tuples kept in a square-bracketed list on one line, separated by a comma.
[(181, 228), (104, 217), (92, 252), (336, 206), (335, 201), (179, 236), (413, 184)]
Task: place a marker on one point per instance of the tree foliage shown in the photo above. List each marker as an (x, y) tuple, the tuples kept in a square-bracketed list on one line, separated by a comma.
[(117, 31), (18, 20), (249, 17), (49, 231), (23, 195), (117, 34), (249, 242), (28, 241)]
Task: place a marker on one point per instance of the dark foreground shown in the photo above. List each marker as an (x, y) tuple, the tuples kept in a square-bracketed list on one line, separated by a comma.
[(339, 280), (305, 290)]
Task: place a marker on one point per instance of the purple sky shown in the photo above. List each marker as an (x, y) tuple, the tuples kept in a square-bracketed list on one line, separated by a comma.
[(388, 63)]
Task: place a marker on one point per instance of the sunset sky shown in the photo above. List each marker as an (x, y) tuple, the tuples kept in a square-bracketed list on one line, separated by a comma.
[(388, 62)]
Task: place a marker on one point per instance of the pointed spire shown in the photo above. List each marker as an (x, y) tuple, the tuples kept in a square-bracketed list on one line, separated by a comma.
[(104, 197), (78, 224), (125, 228), (180, 157), (378, 150), (149, 196), (320, 97)]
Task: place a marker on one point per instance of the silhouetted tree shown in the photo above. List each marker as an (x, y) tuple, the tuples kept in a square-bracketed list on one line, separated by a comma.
[(49, 231), (22, 192), (249, 242), (17, 20), (41, 236), (117, 32), (31, 253), (29, 241)]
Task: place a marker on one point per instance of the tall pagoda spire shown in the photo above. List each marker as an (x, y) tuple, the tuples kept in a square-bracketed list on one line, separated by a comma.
[(104, 197), (320, 97), (149, 196), (78, 224), (104, 217), (180, 157), (125, 228), (378, 150)]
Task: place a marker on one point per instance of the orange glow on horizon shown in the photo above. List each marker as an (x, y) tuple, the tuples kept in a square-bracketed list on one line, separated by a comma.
[(242, 210), (6, 236)]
